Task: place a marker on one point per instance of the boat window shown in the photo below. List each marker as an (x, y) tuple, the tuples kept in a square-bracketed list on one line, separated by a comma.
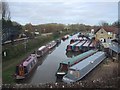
[(74, 73), (31, 64), (28, 67), (25, 69)]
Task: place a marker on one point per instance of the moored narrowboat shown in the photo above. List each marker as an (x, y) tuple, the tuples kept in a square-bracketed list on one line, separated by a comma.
[(92, 45), (64, 65), (78, 46), (85, 46), (25, 67), (81, 69), (58, 41), (70, 46), (65, 37), (51, 44), (42, 50)]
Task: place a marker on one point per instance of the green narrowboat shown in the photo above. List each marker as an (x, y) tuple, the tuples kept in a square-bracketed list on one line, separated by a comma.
[(64, 65)]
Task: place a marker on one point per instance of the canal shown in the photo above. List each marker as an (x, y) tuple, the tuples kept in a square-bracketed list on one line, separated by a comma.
[(48, 65)]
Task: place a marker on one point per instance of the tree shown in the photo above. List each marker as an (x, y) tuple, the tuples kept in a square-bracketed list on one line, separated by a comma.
[(5, 11), (103, 23), (116, 24)]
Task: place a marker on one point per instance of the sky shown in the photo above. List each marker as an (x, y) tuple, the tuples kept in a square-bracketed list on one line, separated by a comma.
[(65, 12)]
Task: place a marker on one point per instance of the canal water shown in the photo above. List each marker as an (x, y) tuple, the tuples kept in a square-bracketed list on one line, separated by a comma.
[(48, 65)]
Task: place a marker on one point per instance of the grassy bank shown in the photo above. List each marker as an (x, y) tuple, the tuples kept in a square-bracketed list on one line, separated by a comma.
[(15, 54)]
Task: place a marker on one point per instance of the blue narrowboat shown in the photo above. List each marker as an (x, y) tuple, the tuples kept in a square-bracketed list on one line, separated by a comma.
[(64, 65), (81, 69)]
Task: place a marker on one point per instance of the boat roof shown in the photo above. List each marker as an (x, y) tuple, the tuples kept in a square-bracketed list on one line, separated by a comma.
[(75, 43), (53, 41), (92, 44), (87, 43), (29, 59), (87, 61), (81, 43), (41, 48), (72, 60)]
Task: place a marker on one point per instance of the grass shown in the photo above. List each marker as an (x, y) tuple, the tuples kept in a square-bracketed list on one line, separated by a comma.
[(7, 75), (16, 54)]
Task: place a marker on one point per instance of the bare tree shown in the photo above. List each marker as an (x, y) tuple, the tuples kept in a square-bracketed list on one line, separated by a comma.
[(5, 11), (103, 23)]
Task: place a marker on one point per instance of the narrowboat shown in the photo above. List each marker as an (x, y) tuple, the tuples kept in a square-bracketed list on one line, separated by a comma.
[(81, 69), (92, 45), (65, 37), (73, 40), (25, 67), (76, 39), (64, 65), (78, 46), (42, 50), (58, 41), (85, 46), (51, 44), (70, 46)]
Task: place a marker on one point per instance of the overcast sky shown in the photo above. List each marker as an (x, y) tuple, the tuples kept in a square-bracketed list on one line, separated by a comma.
[(66, 12)]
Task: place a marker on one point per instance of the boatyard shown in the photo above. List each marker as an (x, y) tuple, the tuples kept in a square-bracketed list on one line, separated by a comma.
[(59, 45), (51, 62)]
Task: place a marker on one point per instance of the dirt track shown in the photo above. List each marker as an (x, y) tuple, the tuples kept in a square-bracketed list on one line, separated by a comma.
[(106, 69)]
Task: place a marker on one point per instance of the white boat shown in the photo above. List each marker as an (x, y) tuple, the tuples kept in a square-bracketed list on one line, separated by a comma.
[(42, 50), (51, 44)]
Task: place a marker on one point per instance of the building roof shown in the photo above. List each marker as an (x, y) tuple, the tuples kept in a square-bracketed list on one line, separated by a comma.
[(107, 29)]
